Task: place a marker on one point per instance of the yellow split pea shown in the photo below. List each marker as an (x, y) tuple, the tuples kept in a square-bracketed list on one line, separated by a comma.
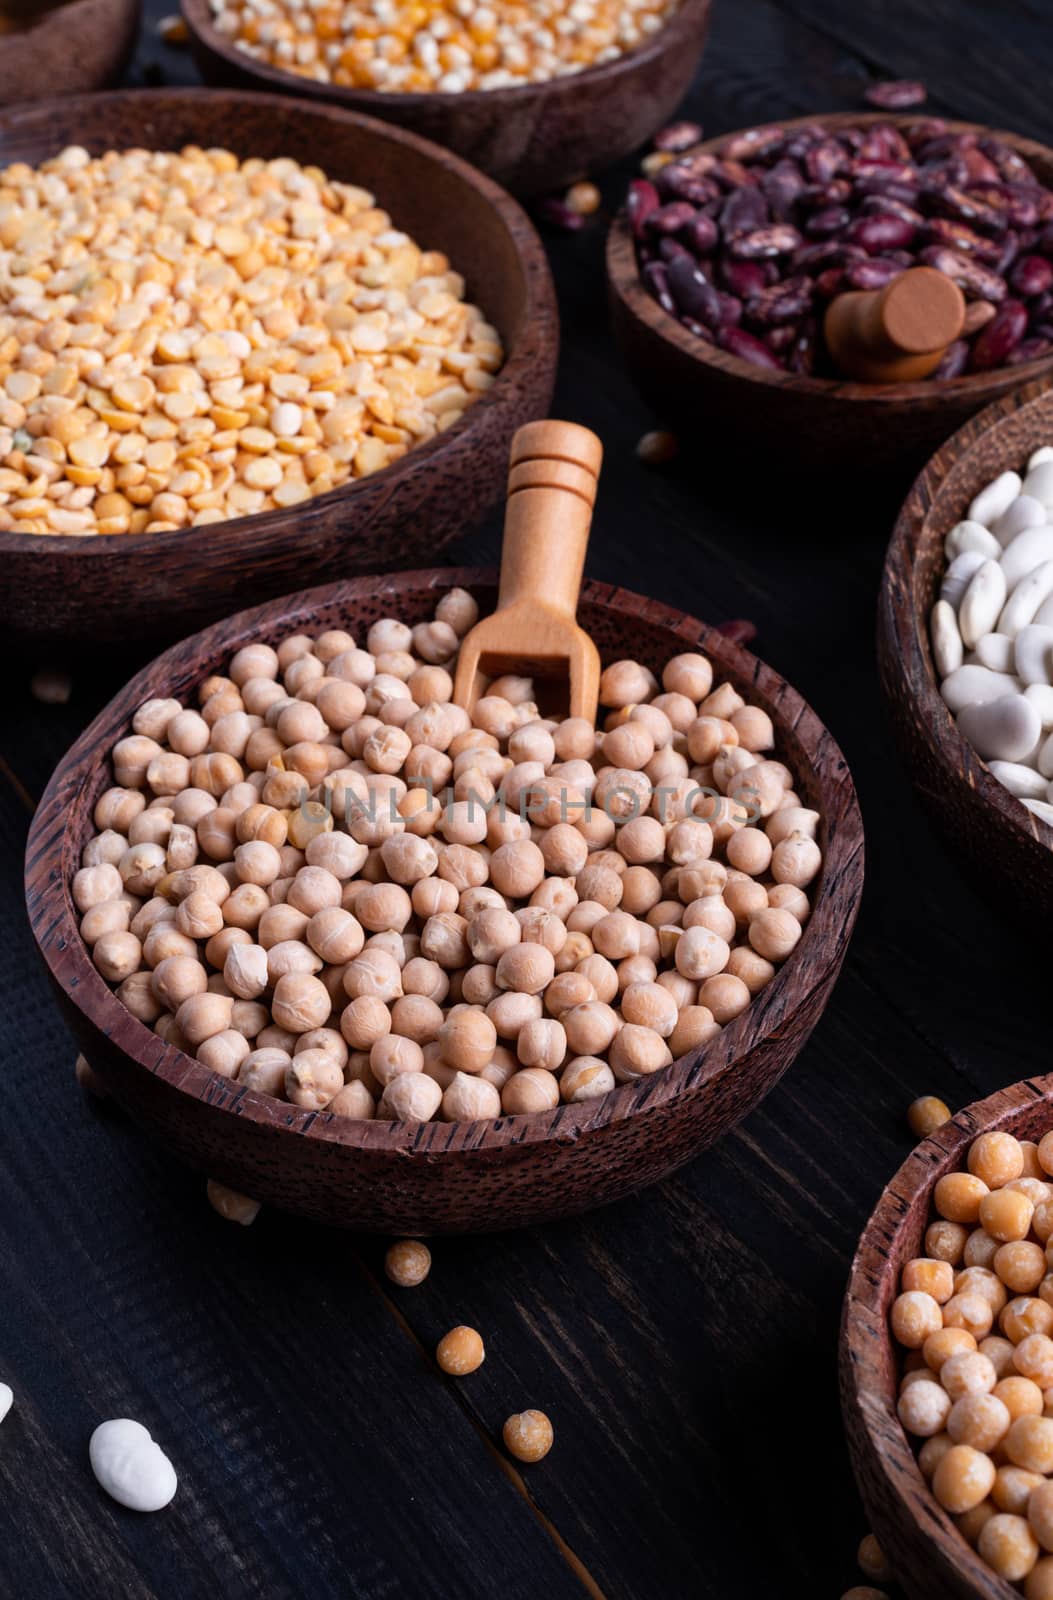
[(187, 338)]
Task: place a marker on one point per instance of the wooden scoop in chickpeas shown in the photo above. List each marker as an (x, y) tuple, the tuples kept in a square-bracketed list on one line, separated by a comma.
[(552, 478)]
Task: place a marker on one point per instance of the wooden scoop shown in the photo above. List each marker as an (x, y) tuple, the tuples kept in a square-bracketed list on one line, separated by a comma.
[(896, 334), (551, 489)]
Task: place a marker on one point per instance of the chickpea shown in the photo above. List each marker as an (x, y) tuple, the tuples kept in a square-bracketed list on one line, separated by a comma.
[(300, 1002), (392, 1056), (202, 1015), (637, 1051), (542, 1043), (312, 1079), (224, 1052), (532, 1089), (410, 1097), (528, 1435), (467, 1040)]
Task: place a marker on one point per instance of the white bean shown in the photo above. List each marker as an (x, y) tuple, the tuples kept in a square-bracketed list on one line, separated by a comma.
[(996, 499), (946, 640), (1032, 654), (971, 685), (1004, 729), (982, 602), (1022, 781), (1025, 512), (1036, 458), (971, 536), (959, 576), (1045, 758), (6, 1400), (131, 1468), (995, 650), (1026, 599), (1026, 552), (1041, 697), (1041, 808), (1039, 480)]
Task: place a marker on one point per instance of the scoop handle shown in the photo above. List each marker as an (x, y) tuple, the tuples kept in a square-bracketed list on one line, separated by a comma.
[(553, 472), (896, 334)]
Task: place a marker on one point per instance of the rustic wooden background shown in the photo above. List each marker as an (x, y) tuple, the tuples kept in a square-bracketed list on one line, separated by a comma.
[(684, 1341)]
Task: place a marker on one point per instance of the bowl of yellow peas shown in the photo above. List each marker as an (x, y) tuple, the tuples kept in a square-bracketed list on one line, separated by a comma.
[(536, 95), (246, 343)]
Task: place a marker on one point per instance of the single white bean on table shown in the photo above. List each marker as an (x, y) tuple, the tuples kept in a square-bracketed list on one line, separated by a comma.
[(130, 1466), (334, 885), (992, 630)]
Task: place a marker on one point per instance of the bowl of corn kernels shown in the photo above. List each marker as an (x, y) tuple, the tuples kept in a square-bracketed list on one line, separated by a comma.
[(245, 343), (947, 1356), (536, 95), (357, 954)]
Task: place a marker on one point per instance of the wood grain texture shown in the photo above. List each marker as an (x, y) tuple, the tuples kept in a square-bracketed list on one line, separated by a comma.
[(810, 423), (536, 137), (158, 586), (1004, 847), (931, 1559), (447, 1177), (82, 45)]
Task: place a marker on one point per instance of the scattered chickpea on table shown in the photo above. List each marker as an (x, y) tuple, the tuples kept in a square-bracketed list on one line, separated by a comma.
[(187, 338)]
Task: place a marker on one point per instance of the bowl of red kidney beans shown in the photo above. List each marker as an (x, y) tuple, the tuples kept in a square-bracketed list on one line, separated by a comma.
[(728, 251)]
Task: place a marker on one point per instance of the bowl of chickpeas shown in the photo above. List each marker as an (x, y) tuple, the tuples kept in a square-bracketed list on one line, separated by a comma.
[(536, 95), (245, 344), (358, 954), (947, 1356)]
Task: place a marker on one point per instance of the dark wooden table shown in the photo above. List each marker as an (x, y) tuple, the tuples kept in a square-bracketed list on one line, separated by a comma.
[(684, 1341)]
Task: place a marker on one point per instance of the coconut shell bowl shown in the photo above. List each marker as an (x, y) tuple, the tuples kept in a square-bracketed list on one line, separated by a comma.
[(930, 1558), (535, 137), (112, 588), (446, 1177), (1006, 849), (69, 49), (823, 424)]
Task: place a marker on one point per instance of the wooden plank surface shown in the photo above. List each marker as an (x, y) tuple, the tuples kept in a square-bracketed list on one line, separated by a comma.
[(683, 1342)]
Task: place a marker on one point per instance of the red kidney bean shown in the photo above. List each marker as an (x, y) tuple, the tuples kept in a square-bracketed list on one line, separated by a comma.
[(745, 278), (897, 95), (970, 276), (558, 215), (1032, 275), (781, 222), (670, 218), (777, 240), (678, 136), (737, 342), (743, 211), (955, 360), (825, 224), (1029, 350), (698, 329), (693, 293), (978, 314), (641, 201), (874, 234), (739, 631), (1003, 333), (872, 274)]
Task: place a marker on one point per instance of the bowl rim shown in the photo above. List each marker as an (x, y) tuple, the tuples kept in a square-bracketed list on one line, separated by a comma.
[(864, 1315), (624, 279), (51, 859), (540, 310), (689, 17), (915, 664)]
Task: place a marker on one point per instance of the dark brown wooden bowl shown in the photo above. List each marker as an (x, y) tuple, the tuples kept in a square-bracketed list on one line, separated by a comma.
[(78, 46), (162, 585), (540, 136), (810, 423), (930, 1558), (443, 1177), (1006, 850)]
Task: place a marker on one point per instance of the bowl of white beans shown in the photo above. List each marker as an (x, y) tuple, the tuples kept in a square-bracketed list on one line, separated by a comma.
[(357, 954), (965, 644), (245, 343)]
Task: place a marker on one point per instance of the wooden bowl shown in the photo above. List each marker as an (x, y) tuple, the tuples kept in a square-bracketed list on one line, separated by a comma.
[(162, 585), (540, 136), (1006, 850), (80, 45), (930, 1558), (811, 423), (442, 1177)]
